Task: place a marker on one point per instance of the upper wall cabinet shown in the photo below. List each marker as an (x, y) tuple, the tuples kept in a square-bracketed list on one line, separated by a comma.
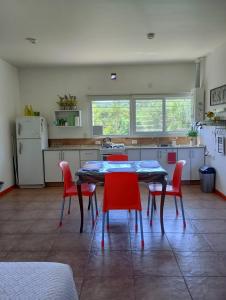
[(68, 118)]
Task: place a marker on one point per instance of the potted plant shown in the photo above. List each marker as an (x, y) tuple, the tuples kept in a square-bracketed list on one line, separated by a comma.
[(67, 102), (192, 134)]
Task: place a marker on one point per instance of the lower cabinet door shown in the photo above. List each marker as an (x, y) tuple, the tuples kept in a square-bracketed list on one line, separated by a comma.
[(184, 154), (52, 169), (72, 157)]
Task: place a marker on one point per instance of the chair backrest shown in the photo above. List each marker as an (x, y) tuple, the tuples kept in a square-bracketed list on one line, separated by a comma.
[(121, 191), (117, 157), (68, 181), (177, 174)]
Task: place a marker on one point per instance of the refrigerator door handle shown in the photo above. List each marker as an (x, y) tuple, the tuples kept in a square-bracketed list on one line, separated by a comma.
[(18, 128), (20, 148)]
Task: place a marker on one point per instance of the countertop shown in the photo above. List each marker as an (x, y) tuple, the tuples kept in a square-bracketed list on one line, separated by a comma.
[(98, 147)]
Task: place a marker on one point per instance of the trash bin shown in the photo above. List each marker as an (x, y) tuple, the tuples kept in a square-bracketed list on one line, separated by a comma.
[(207, 179)]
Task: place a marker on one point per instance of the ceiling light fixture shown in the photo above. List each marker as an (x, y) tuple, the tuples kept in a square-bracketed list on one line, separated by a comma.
[(150, 35), (31, 40), (113, 76)]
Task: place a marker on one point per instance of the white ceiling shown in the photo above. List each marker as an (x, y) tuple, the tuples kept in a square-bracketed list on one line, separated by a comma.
[(78, 32)]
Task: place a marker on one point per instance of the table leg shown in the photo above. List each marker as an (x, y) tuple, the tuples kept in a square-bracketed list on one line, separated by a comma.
[(164, 182), (80, 204)]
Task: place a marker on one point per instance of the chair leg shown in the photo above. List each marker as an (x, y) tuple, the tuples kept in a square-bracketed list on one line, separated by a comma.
[(155, 207), (103, 224), (175, 200), (69, 206), (141, 230), (108, 226), (95, 198), (182, 209), (152, 209), (136, 225), (91, 204), (62, 212), (149, 198)]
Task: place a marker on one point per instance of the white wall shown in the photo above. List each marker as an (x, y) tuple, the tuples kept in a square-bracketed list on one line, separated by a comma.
[(9, 104), (40, 87), (215, 75)]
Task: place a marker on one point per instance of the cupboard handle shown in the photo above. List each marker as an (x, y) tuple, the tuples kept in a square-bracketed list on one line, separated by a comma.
[(160, 154), (18, 128), (20, 148), (62, 155), (59, 156)]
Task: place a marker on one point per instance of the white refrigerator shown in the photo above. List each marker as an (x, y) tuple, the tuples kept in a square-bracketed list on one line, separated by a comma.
[(32, 138)]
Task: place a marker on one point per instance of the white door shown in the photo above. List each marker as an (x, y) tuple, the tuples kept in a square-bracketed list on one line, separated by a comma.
[(28, 127), (149, 154), (52, 169), (197, 160), (72, 157), (133, 154), (184, 154), (30, 162)]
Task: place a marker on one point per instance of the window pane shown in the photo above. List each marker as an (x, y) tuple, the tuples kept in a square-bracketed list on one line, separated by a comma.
[(149, 115), (178, 114), (112, 115)]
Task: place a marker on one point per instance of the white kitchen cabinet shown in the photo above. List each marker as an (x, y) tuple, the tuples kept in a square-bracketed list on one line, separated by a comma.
[(149, 154), (52, 170), (197, 160), (72, 156), (88, 155), (133, 154), (51, 163), (184, 154), (163, 160)]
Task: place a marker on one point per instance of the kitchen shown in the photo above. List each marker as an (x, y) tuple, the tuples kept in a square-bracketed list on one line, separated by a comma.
[(38, 83)]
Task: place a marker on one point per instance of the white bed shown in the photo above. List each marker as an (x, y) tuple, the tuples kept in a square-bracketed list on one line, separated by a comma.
[(36, 281)]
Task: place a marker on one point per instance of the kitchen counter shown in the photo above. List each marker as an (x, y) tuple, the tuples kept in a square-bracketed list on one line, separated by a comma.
[(97, 147)]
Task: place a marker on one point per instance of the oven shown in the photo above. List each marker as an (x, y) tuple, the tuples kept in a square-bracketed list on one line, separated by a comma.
[(114, 149)]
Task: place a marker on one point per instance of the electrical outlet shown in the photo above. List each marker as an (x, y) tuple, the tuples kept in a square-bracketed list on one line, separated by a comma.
[(97, 142), (134, 142)]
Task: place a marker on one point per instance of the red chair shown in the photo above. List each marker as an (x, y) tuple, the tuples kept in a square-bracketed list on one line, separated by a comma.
[(70, 190), (171, 190), (117, 157), (121, 191)]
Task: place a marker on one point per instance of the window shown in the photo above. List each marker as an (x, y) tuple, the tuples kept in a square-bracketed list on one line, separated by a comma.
[(178, 114), (160, 115), (112, 115), (149, 115)]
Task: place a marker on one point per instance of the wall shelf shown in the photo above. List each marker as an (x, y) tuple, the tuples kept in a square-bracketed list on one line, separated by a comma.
[(68, 118)]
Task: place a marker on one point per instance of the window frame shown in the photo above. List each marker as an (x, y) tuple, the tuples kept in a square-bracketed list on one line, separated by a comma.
[(132, 100)]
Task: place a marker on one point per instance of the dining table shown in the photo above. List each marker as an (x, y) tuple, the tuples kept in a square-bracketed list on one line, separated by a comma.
[(146, 170)]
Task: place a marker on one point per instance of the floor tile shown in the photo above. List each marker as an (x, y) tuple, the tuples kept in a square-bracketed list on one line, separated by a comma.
[(152, 241), (155, 263), (99, 288), (201, 263), (217, 241), (112, 241), (77, 261), (207, 288), (188, 242), (73, 242), (210, 226), (109, 263), (161, 288), (37, 242)]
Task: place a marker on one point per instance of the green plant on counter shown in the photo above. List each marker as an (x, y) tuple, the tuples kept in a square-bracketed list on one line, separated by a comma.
[(192, 133), (67, 102)]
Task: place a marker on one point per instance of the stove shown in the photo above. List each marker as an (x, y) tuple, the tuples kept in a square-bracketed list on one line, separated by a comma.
[(111, 149)]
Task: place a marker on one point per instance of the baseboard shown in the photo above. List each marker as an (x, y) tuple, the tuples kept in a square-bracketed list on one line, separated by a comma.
[(223, 196), (9, 189)]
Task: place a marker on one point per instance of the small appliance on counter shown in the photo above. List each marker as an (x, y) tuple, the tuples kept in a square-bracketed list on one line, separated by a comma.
[(32, 138), (109, 148)]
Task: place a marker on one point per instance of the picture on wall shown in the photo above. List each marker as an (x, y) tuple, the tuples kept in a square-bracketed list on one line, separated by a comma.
[(218, 95)]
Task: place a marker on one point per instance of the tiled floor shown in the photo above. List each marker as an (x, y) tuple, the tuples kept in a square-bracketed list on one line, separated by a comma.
[(182, 264)]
